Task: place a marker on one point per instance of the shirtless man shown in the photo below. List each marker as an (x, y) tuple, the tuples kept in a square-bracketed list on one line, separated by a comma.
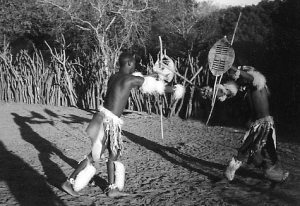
[(259, 144), (104, 129)]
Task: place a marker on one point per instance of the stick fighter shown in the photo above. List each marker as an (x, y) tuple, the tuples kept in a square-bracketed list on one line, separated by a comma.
[(259, 142), (104, 130)]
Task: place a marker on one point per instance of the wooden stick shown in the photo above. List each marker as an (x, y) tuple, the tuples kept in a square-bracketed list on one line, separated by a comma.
[(184, 78), (161, 121), (160, 100), (196, 73), (235, 29), (215, 92)]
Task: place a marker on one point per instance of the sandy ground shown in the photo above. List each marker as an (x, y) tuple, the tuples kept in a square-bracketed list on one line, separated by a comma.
[(40, 146)]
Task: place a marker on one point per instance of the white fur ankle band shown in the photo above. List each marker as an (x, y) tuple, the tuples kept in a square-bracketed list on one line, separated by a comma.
[(151, 86), (119, 175), (83, 177)]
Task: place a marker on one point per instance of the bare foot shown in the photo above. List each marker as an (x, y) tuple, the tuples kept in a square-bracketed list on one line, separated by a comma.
[(231, 168), (67, 187), (116, 193), (276, 174)]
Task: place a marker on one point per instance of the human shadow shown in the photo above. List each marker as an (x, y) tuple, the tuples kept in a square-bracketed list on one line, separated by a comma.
[(179, 158), (70, 118), (51, 113), (26, 184), (100, 182), (214, 171), (45, 148), (256, 185)]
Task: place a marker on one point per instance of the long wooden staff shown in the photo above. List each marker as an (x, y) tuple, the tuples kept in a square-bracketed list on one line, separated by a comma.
[(160, 99)]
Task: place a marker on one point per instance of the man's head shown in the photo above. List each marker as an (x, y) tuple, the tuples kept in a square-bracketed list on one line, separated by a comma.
[(127, 62), (234, 73)]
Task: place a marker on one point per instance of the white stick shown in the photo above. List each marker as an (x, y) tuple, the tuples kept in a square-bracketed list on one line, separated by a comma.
[(161, 121), (236, 26), (160, 103), (196, 73), (213, 101)]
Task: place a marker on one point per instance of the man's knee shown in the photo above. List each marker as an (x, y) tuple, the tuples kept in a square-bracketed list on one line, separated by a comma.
[(242, 155), (113, 156)]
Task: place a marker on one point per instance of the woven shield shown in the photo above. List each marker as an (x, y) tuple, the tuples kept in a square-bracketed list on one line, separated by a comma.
[(220, 57)]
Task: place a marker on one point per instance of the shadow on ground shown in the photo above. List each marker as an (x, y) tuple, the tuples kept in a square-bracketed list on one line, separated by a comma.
[(25, 183), (214, 171), (45, 149)]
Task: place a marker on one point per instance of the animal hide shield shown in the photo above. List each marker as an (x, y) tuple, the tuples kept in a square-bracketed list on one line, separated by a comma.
[(220, 57)]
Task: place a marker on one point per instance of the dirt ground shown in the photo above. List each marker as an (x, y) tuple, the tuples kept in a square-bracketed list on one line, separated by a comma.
[(41, 145)]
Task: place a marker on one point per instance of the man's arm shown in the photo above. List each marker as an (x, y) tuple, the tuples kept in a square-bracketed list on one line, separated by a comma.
[(136, 81), (250, 76), (151, 85), (237, 73), (177, 89)]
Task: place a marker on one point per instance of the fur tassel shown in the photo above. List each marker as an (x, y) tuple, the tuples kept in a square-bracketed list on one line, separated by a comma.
[(231, 87), (224, 92), (259, 80), (151, 86), (179, 91), (84, 177), (107, 114), (119, 175), (222, 88), (137, 74)]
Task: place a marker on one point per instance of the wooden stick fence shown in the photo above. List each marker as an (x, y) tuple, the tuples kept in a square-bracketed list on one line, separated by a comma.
[(73, 83)]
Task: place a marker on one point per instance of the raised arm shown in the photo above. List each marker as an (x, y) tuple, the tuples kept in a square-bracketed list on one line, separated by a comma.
[(238, 73), (250, 76), (151, 85), (136, 81)]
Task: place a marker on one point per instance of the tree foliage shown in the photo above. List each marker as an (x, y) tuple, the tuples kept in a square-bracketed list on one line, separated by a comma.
[(97, 30)]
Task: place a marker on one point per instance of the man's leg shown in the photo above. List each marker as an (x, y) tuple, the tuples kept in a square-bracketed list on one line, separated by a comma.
[(271, 165), (236, 162), (80, 177), (85, 170), (116, 176)]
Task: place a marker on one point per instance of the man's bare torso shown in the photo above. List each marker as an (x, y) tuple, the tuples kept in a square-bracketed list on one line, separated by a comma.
[(119, 86), (259, 103)]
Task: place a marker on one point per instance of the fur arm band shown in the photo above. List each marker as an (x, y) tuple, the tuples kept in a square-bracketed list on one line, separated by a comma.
[(151, 86), (222, 93), (259, 80), (137, 74), (179, 91), (227, 90), (231, 88)]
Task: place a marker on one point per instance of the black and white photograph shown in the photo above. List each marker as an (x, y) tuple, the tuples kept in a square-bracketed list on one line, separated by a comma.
[(150, 102)]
